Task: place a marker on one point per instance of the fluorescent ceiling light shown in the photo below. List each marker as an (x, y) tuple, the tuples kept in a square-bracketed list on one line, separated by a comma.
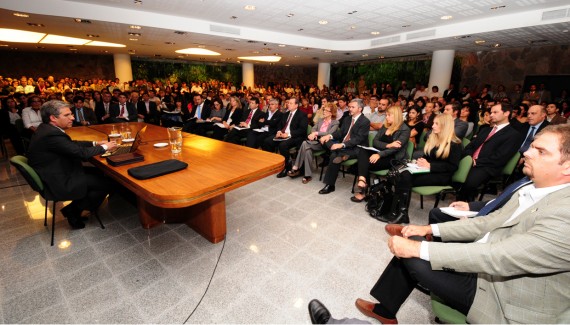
[(97, 43), (56, 39), (197, 51), (271, 58), (20, 36)]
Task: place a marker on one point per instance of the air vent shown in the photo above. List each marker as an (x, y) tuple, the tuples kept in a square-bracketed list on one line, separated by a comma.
[(252, 42), (422, 34), (179, 32), (385, 40), (540, 41), (554, 14), (226, 30)]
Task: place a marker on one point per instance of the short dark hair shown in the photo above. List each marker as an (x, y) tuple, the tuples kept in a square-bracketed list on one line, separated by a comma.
[(78, 99), (255, 99)]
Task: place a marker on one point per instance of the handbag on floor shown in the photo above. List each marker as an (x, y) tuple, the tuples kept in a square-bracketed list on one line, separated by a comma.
[(381, 194)]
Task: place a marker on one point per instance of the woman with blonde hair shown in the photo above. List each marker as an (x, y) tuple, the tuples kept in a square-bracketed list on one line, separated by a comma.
[(442, 153), (390, 141), (232, 117)]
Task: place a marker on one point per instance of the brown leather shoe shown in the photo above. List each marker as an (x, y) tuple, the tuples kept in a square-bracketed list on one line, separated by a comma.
[(394, 229), (366, 308)]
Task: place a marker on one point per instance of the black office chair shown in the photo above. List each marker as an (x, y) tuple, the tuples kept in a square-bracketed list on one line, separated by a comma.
[(35, 182)]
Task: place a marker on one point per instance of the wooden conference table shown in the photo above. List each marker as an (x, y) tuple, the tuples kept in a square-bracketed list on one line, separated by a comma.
[(196, 195)]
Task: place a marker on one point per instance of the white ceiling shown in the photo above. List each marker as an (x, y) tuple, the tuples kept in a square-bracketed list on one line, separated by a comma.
[(407, 28)]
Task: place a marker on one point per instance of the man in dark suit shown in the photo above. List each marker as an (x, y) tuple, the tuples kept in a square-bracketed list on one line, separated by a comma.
[(291, 133), (103, 108), (268, 124), (57, 160), (147, 110), (200, 112), (123, 111), (83, 115), (344, 141), (553, 114), (490, 150), (250, 120)]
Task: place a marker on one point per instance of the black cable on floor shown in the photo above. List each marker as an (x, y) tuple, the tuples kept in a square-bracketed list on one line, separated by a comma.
[(209, 282), (1, 188)]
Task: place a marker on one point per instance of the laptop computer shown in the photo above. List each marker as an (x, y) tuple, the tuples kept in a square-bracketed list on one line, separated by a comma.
[(126, 148)]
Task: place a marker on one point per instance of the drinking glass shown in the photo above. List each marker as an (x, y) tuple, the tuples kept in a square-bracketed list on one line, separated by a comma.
[(175, 139)]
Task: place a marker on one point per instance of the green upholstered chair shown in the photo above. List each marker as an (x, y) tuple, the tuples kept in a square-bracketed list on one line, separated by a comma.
[(422, 140), (505, 174), (444, 313), (35, 182), (465, 142), (458, 177)]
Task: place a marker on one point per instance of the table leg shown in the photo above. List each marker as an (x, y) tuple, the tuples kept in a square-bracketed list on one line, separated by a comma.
[(208, 218)]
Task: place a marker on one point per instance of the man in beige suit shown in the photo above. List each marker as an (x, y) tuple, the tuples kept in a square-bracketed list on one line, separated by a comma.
[(511, 266)]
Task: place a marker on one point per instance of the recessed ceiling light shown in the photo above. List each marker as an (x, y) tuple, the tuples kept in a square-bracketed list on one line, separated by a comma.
[(286, 65), (197, 51), (4, 45), (281, 45), (275, 53), (300, 30), (135, 34), (133, 39), (406, 26), (375, 33), (328, 51), (230, 49), (480, 41), (290, 15), (92, 35), (73, 49), (233, 17), (497, 45), (169, 43), (261, 58), (19, 14), (565, 31), (179, 32), (255, 52), (352, 27), (202, 46), (249, 7), (323, 22), (498, 7), (381, 57), (36, 25), (352, 12), (138, 2), (296, 56), (135, 27), (364, 55), (40, 47), (83, 21), (446, 17)]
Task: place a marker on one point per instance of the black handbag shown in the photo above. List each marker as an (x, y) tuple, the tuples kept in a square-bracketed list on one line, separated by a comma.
[(381, 194)]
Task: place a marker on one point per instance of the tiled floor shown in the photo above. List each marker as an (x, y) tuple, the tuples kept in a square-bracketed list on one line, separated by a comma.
[(286, 244)]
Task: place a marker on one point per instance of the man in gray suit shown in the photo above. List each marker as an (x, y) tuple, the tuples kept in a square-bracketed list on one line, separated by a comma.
[(512, 265)]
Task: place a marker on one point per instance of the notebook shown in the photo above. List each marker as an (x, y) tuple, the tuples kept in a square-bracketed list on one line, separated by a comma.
[(126, 148)]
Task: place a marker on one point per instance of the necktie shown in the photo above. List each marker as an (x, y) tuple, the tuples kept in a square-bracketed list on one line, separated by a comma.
[(122, 110), (503, 197), (80, 116), (287, 123), (107, 108), (198, 111), (347, 137), (528, 140), (476, 153), (249, 117)]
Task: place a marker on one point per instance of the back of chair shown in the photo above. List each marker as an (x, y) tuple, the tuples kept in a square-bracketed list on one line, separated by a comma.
[(460, 174), (510, 166), (410, 149), (33, 179), (465, 142), (371, 139), (422, 140), (309, 129)]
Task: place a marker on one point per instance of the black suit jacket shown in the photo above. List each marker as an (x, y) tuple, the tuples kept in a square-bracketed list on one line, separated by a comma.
[(100, 112), (88, 114), (57, 160), (358, 133), (152, 116), (274, 123), (498, 149), (298, 126), (204, 113), (255, 124), (525, 126), (115, 110), (236, 116)]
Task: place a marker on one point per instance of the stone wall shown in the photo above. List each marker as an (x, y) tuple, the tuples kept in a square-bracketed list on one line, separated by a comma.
[(511, 66), (40, 64)]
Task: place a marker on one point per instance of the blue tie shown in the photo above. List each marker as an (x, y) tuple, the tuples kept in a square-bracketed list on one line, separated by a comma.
[(528, 140), (504, 197)]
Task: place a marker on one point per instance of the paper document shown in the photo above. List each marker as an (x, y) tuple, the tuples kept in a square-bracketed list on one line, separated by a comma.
[(458, 213), (221, 125), (240, 128), (415, 169), (281, 139), (369, 148), (259, 130)]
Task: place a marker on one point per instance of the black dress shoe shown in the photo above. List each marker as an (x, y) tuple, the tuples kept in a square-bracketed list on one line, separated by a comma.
[(318, 312), (76, 223), (70, 212), (282, 174), (327, 189), (340, 159)]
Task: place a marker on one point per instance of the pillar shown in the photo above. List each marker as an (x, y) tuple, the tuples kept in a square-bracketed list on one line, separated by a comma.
[(441, 67), (247, 75), (324, 74), (123, 69)]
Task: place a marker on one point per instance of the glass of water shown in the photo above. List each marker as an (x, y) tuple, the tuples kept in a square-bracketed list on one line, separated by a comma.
[(175, 139)]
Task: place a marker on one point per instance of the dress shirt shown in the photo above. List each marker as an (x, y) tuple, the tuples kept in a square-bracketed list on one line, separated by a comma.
[(290, 118), (528, 196), (269, 116), (31, 117)]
